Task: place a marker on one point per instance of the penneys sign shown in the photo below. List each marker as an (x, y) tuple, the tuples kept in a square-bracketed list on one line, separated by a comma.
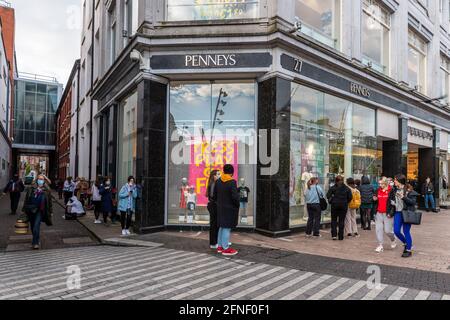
[(359, 90), (211, 61)]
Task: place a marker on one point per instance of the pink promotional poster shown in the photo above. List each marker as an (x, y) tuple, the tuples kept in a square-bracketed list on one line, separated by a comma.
[(204, 159)]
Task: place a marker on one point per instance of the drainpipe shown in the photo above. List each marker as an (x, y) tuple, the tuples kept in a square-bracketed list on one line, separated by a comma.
[(92, 86), (78, 124)]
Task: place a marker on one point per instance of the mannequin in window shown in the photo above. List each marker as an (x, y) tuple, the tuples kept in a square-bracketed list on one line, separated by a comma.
[(306, 176), (184, 191), (191, 200), (244, 193)]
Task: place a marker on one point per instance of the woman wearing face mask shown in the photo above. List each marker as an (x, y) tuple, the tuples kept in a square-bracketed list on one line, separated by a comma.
[(127, 205), (107, 201), (97, 201), (38, 207)]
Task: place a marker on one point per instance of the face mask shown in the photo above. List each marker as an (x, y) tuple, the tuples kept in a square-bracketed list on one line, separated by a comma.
[(108, 183), (40, 183)]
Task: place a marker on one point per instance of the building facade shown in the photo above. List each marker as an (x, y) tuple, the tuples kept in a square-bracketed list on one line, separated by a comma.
[(7, 74), (181, 88), (5, 94), (67, 110), (36, 103)]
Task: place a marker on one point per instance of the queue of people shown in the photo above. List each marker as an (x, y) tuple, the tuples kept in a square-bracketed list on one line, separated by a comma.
[(391, 199), (104, 199)]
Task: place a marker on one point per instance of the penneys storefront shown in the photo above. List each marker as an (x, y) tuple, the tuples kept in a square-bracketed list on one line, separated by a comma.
[(278, 114)]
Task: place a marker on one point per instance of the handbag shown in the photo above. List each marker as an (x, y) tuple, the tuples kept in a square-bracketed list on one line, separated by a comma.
[(412, 217), (323, 202)]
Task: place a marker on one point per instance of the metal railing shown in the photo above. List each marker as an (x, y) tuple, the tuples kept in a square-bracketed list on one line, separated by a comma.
[(36, 77)]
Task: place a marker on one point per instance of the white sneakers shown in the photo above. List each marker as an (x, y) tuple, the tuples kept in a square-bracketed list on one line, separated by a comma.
[(380, 248), (97, 222), (126, 233), (214, 247)]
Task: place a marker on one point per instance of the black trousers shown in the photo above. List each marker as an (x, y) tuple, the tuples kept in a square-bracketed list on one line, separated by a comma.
[(214, 229), (314, 218), (366, 219), (67, 196), (15, 198), (125, 219), (338, 214)]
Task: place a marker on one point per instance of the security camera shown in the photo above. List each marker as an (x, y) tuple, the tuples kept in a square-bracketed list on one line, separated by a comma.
[(297, 25), (135, 56)]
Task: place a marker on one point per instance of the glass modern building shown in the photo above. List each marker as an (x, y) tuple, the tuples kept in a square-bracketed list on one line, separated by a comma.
[(36, 102)]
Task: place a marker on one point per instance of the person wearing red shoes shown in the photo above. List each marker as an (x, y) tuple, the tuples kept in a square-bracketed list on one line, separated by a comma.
[(226, 196)]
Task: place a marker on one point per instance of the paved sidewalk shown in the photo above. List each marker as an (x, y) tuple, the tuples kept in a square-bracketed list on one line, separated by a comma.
[(63, 234)]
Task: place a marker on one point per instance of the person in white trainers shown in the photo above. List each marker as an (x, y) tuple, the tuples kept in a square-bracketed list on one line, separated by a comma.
[(127, 205), (97, 201), (384, 218)]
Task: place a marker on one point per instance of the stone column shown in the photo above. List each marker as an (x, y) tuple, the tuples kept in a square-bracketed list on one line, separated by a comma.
[(151, 155), (272, 208)]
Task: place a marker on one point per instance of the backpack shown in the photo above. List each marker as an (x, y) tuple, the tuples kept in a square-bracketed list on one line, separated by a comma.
[(356, 199)]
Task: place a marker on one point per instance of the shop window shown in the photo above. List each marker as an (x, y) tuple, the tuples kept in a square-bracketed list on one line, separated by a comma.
[(320, 20), (210, 124), (417, 65), (192, 10), (127, 138), (330, 136), (376, 24)]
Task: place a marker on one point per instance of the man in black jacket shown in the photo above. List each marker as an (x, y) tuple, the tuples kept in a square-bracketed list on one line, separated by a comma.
[(339, 196), (14, 187), (226, 196)]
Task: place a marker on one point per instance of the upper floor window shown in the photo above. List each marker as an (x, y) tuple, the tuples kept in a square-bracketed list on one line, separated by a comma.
[(445, 79), (192, 10), (320, 20), (417, 56), (376, 26), (112, 35)]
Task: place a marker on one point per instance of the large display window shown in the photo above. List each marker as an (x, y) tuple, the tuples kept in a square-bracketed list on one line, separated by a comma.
[(210, 124), (330, 136), (127, 138)]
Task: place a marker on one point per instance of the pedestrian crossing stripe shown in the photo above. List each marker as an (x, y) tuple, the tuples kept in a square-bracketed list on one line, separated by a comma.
[(119, 273)]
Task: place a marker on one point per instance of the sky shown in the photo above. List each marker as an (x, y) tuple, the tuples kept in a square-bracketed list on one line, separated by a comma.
[(48, 36)]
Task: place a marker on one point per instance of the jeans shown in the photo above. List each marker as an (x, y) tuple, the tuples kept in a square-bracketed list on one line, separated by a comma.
[(338, 215), (314, 219), (125, 219), (224, 238), (15, 198), (213, 229), (430, 198), (404, 237), (35, 224)]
